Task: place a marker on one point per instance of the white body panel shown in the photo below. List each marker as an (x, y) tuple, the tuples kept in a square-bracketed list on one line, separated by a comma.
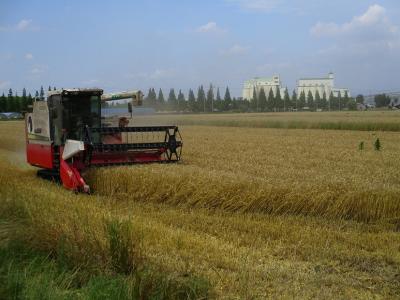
[(71, 148)]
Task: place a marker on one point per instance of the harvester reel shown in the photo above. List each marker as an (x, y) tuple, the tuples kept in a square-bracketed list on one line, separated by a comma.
[(174, 149)]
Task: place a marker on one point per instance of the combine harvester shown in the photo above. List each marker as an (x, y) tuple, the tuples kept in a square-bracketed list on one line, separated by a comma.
[(66, 135)]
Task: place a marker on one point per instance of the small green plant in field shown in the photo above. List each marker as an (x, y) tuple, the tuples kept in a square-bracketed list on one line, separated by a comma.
[(377, 145), (361, 146)]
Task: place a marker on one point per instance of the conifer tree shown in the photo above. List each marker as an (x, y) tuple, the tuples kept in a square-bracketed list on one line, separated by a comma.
[(331, 101), (210, 99), (201, 99), (218, 100), (346, 99), (191, 101), (24, 100), (294, 100), (41, 92), (271, 100), (181, 105), (3, 103), (324, 101), (302, 100), (254, 100), (227, 99), (317, 100), (278, 100), (160, 100), (310, 101), (286, 100), (172, 101), (262, 100)]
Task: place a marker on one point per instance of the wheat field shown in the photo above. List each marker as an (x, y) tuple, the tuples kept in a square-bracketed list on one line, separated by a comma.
[(254, 212)]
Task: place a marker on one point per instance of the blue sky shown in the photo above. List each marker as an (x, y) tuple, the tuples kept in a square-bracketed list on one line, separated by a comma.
[(119, 45)]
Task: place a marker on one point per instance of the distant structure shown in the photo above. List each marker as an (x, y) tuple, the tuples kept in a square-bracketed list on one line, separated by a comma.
[(322, 85), (267, 83)]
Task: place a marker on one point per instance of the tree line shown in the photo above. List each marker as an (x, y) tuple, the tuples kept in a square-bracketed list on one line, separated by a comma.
[(207, 101), (19, 103)]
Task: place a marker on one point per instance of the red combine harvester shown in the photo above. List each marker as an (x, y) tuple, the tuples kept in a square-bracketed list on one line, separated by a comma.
[(66, 134)]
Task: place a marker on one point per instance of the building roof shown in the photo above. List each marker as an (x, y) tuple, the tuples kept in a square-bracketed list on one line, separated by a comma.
[(315, 78), (258, 79)]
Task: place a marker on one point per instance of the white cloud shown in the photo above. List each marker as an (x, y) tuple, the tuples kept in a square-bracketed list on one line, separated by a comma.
[(160, 73), (235, 50), (38, 69), (374, 24), (23, 25), (210, 27), (4, 84), (257, 5), (156, 74), (28, 56)]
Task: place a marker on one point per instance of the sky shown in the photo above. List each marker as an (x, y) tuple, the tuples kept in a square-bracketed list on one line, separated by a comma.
[(122, 45)]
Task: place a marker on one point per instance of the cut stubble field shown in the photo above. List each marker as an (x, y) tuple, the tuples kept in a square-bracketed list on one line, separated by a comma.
[(256, 212)]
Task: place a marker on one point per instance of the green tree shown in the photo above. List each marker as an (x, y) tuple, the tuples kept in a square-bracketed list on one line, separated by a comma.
[(339, 100), (41, 93), (271, 100), (317, 100), (352, 104), (324, 101), (181, 101), (262, 100), (218, 101), (302, 100), (286, 100), (151, 98), (49, 89), (382, 100), (310, 101), (160, 100), (254, 100), (192, 101), (331, 102), (210, 99), (294, 100), (201, 99), (360, 99), (278, 100), (346, 99), (172, 101), (36, 94), (227, 99), (3, 103)]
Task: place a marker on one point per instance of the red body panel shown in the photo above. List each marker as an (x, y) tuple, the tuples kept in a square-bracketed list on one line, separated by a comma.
[(39, 155), (70, 177)]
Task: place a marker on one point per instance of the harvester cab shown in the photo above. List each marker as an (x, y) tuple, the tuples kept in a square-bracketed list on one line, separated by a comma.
[(65, 135)]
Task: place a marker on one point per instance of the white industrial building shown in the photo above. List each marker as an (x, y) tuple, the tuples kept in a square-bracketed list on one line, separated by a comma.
[(322, 85), (267, 83)]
